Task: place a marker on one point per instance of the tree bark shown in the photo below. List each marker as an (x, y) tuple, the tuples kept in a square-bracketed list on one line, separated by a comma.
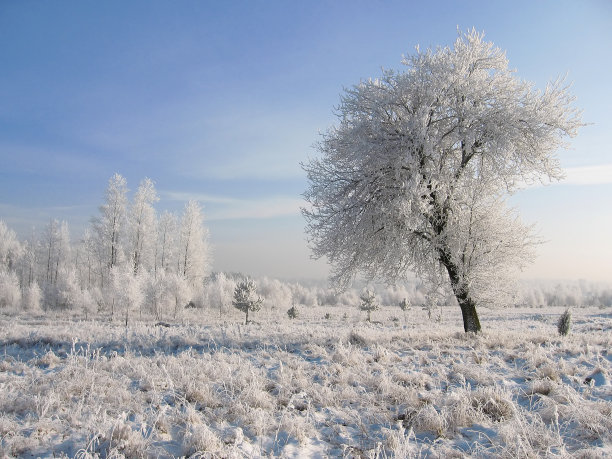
[(471, 323)]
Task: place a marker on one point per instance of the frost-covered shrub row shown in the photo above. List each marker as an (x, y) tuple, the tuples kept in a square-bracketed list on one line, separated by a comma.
[(337, 388)]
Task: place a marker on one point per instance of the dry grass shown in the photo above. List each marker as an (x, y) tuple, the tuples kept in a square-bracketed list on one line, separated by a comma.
[(306, 387)]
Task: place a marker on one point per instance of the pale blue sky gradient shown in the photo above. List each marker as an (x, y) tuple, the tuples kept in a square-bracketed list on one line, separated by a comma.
[(221, 101)]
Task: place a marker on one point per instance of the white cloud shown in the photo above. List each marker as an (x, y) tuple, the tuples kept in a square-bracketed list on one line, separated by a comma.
[(588, 175)]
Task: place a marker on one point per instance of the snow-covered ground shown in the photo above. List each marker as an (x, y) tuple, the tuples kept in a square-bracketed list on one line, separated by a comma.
[(405, 386)]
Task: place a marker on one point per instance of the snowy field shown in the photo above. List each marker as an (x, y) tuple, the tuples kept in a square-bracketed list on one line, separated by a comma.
[(409, 386)]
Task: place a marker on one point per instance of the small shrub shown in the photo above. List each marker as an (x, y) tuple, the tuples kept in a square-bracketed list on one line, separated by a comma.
[(565, 322), (405, 304), (493, 403), (293, 312), (327, 316), (358, 340)]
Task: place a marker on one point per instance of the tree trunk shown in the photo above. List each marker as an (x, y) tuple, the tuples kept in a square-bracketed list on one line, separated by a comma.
[(471, 323), (468, 311)]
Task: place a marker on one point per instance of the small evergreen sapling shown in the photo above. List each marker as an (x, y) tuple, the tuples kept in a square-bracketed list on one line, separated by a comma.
[(368, 303), (293, 312), (405, 306), (246, 298), (565, 322)]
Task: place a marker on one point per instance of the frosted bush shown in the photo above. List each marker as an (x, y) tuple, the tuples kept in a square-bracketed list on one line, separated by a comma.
[(429, 419), (10, 293), (494, 403), (293, 312), (199, 439), (130, 443), (32, 298)]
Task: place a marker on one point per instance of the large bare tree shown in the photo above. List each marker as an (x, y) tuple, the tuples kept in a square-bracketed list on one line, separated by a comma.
[(413, 177)]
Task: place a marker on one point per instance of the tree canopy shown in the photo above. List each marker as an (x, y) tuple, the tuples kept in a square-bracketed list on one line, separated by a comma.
[(413, 177)]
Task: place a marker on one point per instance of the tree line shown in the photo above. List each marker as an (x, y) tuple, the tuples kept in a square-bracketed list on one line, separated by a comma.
[(127, 255)]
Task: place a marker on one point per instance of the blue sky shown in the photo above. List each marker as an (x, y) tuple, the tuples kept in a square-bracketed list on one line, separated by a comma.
[(221, 101)]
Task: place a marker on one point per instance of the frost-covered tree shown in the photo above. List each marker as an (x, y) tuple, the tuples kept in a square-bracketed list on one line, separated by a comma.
[(110, 225), (141, 226), (128, 291), (276, 293), (181, 290), (68, 293), (88, 303), (32, 298), (368, 303), (246, 298), (405, 307), (10, 247), (218, 291), (50, 241), (166, 235), (413, 177), (55, 254), (193, 251), (29, 263), (89, 258), (10, 293)]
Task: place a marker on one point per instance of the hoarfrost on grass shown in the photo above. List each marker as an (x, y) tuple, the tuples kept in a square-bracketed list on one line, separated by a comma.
[(307, 387)]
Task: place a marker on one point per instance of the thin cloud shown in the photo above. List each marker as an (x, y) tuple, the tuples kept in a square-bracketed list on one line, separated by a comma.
[(581, 176), (228, 208), (588, 175), (200, 197), (258, 209)]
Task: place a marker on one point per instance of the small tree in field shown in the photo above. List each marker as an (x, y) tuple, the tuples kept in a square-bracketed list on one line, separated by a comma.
[(246, 298), (293, 312), (414, 177), (368, 303), (565, 323), (405, 306)]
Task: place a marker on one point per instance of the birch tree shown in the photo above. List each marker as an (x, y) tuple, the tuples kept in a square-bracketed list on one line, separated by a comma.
[(110, 225), (141, 226), (10, 247), (413, 178), (165, 247), (193, 251)]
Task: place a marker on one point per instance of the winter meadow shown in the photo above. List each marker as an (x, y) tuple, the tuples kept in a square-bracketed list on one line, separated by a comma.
[(123, 341)]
